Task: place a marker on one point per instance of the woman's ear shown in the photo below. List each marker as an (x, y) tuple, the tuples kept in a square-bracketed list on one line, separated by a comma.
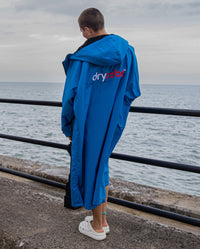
[(87, 32)]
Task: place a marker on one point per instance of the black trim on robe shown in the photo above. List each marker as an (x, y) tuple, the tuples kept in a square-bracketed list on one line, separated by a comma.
[(91, 40)]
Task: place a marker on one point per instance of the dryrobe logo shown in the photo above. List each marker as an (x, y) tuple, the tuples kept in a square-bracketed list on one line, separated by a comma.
[(103, 76)]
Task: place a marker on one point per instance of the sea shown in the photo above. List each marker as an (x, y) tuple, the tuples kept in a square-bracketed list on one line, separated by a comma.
[(170, 138)]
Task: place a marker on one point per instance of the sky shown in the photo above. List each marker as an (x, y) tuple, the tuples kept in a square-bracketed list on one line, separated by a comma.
[(36, 35)]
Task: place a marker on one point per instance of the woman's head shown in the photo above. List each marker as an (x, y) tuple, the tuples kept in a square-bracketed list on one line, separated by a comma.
[(91, 19)]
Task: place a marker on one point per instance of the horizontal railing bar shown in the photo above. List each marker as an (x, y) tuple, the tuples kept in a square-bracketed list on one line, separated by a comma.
[(31, 102), (166, 111), (36, 141), (149, 110), (156, 211), (133, 205), (34, 178), (153, 162)]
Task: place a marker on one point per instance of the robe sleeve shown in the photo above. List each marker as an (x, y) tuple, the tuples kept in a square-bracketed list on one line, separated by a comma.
[(71, 84), (133, 88), (132, 91)]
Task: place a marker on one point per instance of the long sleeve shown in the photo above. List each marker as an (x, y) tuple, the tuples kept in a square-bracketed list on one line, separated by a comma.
[(73, 72), (133, 88)]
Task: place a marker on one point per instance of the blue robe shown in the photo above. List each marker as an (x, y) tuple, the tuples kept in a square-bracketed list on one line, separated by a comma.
[(102, 81)]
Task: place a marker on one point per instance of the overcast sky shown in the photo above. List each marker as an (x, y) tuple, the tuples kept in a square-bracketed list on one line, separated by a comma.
[(35, 36)]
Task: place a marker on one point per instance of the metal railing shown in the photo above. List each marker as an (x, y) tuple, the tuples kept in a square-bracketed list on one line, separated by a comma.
[(153, 162), (149, 110)]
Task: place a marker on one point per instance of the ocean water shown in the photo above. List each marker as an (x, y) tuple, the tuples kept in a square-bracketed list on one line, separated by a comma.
[(171, 138)]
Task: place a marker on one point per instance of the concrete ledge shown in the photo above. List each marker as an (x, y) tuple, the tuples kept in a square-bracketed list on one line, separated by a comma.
[(168, 200)]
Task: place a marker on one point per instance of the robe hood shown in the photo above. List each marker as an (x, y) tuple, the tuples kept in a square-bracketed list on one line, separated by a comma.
[(108, 51)]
